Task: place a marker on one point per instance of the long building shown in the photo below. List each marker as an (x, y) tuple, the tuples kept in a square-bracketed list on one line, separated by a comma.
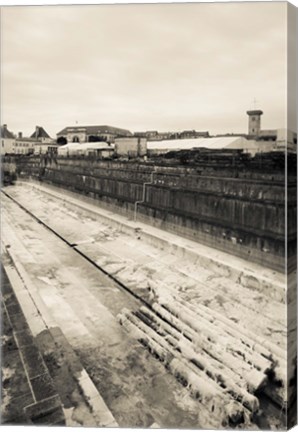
[(38, 142), (95, 133)]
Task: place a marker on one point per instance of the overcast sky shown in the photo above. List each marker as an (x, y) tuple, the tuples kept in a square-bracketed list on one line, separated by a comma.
[(143, 67)]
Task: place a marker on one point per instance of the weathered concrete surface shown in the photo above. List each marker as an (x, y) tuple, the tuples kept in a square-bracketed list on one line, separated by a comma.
[(85, 217), (85, 305), (212, 207), (252, 302), (64, 377)]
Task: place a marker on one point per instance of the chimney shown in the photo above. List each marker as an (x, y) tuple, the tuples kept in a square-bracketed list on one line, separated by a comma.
[(36, 131), (20, 135), (5, 126)]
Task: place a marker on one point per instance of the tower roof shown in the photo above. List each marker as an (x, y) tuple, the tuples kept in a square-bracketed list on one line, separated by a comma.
[(254, 112)]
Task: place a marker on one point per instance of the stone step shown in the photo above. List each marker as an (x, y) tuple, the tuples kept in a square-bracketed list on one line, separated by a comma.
[(46, 412)]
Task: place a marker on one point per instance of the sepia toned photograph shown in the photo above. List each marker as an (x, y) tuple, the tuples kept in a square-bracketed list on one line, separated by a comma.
[(148, 215)]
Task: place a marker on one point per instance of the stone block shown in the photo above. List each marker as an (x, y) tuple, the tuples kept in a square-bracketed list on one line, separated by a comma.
[(13, 308), (43, 387), (54, 418), (33, 361), (39, 411), (9, 298), (8, 344), (11, 360), (18, 322), (5, 286), (13, 411), (14, 420), (17, 384), (24, 337)]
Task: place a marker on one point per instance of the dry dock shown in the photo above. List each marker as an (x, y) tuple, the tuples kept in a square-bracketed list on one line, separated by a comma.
[(153, 328)]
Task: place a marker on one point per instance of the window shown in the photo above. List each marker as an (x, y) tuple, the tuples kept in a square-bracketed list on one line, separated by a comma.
[(253, 118)]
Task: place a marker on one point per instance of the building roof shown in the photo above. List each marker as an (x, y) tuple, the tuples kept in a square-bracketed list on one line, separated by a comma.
[(94, 130), (40, 133), (23, 139), (254, 112), (268, 132), (5, 133), (236, 142), (85, 146)]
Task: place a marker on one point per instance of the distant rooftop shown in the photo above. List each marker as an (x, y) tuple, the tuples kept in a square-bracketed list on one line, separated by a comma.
[(5, 133), (40, 133), (86, 146), (211, 143), (254, 112), (94, 130)]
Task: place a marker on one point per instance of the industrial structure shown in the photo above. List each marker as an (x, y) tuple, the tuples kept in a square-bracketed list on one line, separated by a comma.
[(149, 268)]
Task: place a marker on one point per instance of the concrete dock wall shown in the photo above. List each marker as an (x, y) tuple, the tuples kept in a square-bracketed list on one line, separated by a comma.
[(241, 211)]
